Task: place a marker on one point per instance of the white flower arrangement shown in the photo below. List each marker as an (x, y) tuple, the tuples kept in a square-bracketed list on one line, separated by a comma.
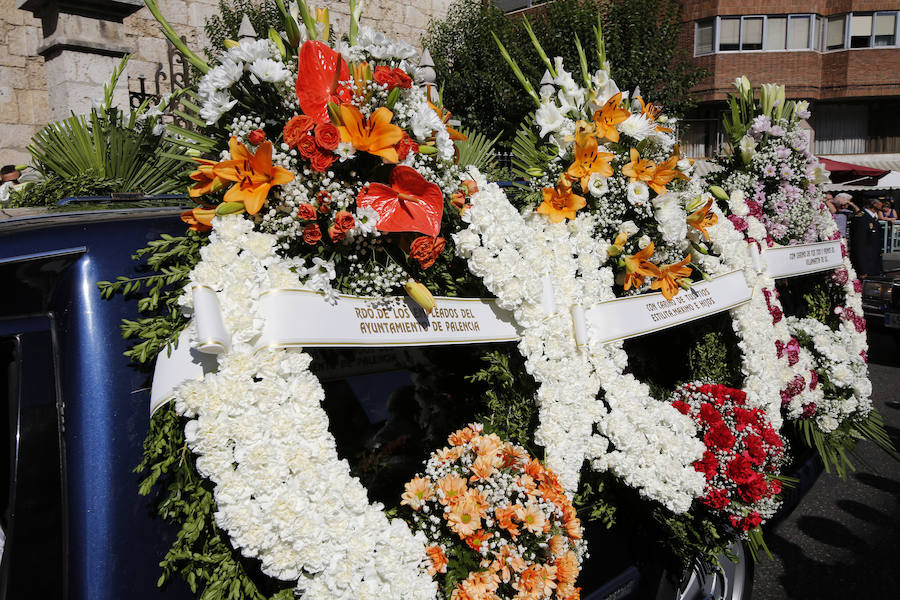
[(261, 436)]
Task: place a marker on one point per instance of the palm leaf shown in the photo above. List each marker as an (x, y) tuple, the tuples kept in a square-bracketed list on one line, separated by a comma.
[(476, 151), (528, 153)]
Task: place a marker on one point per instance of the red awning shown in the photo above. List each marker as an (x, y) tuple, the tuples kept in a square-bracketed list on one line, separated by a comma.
[(842, 172)]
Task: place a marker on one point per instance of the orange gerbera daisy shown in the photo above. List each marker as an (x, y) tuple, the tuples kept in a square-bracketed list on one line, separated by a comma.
[(253, 174), (505, 518), (438, 559), (639, 169), (566, 568), (418, 491), (452, 488), (561, 203), (638, 266), (508, 561), (664, 173), (475, 540), (375, 135), (482, 468), (537, 581), (610, 115), (669, 276), (513, 455), (588, 159), (702, 218), (558, 545), (532, 518), (207, 181), (464, 516), (463, 436)]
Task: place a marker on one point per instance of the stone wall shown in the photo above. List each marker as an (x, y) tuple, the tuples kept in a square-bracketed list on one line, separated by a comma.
[(27, 102)]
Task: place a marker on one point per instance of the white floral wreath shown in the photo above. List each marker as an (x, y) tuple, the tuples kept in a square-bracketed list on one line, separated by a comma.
[(261, 436)]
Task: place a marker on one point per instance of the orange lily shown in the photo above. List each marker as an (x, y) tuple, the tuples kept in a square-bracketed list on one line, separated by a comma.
[(362, 75), (445, 116), (207, 181), (664, 173), (610, 115), (669, 276), (561, 203), (377, 135), (199, 218), (254, 175), (639, 169), (652, 111), (587, 159), (701, 218), (638, 266)]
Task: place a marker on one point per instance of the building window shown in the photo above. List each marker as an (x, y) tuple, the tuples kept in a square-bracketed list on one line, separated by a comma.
[(885, 29), (752, 33), (834, 36), (860, 31), (818, 31), (798, 33), (776, 33), (729, 33), (705, 37)]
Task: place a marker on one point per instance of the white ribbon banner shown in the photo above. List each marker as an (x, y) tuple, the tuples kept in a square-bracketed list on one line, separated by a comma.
[(302, 318), (790, 261), (295, 317), (632, 316)]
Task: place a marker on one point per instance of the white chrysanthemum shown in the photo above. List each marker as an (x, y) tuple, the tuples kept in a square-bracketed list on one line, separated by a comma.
[(269, 70), (637, 126), (249, 51)]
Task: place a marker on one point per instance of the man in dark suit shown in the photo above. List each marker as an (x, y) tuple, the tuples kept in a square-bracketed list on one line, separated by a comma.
[(866, 239)]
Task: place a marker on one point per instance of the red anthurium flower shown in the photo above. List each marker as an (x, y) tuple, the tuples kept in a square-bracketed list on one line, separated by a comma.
[(410, 203), (319, 73)]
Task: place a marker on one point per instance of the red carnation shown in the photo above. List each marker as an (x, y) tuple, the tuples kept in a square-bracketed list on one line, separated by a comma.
[(256, 137), (708, 465), (327, 136), (774, 487), (709, 414), (755, 449), (716, 499), (682, 407), (719, 437), (426, 250), (743, 418), (739, 470), (306, 212), (312, 234), (405, 146)]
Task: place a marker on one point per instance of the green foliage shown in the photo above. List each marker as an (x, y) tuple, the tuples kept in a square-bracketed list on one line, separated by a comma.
[(201, 553), (476, 151), (56, 187), (223, 26), (641, 43), (121, 153), (171, 258), (508, 399)]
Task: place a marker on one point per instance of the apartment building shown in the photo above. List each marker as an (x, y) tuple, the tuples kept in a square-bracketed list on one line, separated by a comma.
[(841, 55)]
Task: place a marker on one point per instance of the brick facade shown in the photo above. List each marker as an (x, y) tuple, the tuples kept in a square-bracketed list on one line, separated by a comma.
[(26, 103), (838, 74)]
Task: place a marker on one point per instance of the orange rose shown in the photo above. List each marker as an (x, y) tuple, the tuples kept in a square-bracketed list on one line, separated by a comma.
[(344, 221), (306, 212), (327, 136), (426, 250), (405, 146), (296, 129), (322, 160), (312, 234)]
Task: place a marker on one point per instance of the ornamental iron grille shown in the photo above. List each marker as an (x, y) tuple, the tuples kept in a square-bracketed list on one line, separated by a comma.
[(177, 77)]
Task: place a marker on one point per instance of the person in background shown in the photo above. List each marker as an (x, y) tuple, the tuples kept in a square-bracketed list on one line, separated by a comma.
[(844, 208), (866, 239), (10, 173), (888, 212)]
